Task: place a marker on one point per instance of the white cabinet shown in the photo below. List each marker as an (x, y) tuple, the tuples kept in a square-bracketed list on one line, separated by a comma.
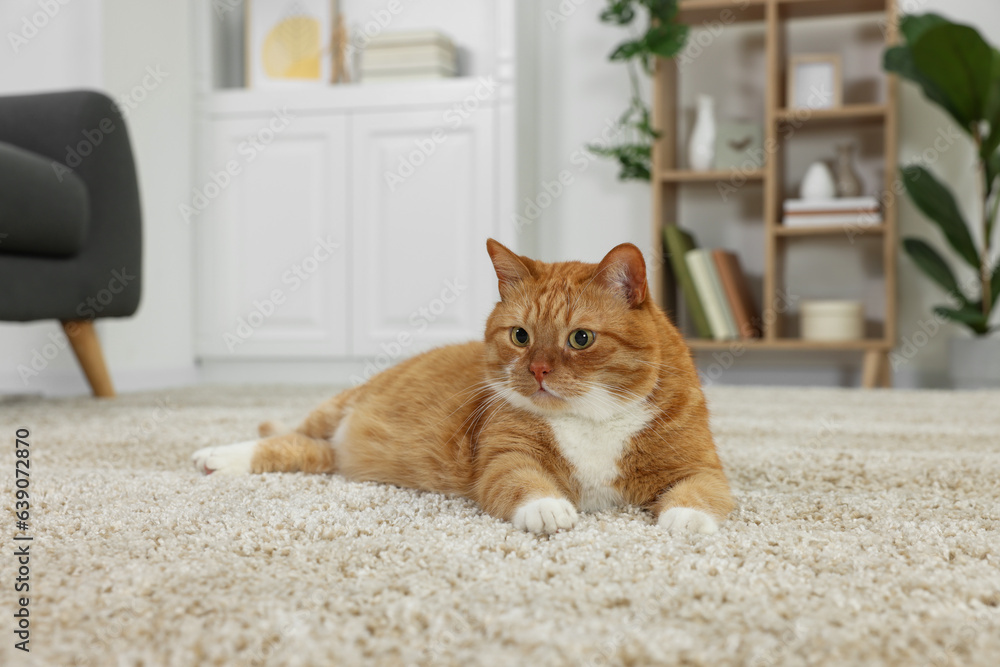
[(366, 214), (423, 206), (337, 225), (273, 251)]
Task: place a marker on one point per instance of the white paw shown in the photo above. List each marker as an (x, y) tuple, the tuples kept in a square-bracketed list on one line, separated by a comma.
[(225, 459), (678, 520), (545, 515)]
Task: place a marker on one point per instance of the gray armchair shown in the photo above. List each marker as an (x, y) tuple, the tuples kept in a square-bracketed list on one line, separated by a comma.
[(70, 221)]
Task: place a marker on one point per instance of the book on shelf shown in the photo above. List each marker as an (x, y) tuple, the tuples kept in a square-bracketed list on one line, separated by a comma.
[(713, 297), (407, 74), (409, 38), (737, 289), (847, 211), (424, 54), (678, 242)]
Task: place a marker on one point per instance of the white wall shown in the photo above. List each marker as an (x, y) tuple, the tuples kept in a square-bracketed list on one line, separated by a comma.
[(579, 91), (579, 94), (110, 47), (52, 48), (144, 37)]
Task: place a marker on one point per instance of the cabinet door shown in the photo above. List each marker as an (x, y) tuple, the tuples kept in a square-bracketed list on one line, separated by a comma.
[(272, 238), (423, 207)]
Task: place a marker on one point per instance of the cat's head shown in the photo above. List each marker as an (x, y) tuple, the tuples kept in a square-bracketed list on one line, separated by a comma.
[(571, 337)]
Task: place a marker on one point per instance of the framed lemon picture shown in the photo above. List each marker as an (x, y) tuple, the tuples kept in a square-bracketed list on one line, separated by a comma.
[(288, 42)]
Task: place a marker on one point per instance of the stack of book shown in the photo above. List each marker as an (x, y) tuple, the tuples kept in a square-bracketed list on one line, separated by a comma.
[(403, 56), (849, 211), (715, 289)]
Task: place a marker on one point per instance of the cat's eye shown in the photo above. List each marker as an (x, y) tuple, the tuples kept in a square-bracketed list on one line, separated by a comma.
[(581, 339), (519, 337)]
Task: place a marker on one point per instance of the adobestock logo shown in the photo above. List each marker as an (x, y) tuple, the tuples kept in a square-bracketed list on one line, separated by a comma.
[(31, 25), (294, 277), (425, 148), (96, 304), (248, 150), (40, 358), (420, 319)]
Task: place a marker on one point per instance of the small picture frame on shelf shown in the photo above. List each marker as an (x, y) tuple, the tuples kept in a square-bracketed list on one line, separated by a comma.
[(288, 42), (815, 81), (739, 145)]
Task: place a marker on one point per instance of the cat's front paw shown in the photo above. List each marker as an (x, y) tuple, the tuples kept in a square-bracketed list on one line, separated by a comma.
[(680, 520), (225, 459), (545, 515)]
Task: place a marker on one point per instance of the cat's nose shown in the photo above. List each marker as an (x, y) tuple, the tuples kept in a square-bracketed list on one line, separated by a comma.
[(540, 369)]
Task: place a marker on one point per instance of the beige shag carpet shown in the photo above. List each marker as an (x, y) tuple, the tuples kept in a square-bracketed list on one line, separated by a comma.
[(867, 533)]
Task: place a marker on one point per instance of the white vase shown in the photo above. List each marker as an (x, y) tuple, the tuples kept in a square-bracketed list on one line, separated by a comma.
[(701, 149), (818, 183)]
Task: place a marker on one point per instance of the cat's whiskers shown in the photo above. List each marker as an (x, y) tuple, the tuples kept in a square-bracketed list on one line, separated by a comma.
[(661, 367), (480, 387), (475, 414), (614, 407)]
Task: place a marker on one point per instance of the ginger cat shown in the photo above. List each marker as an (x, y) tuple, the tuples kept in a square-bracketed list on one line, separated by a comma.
[(582, 397)]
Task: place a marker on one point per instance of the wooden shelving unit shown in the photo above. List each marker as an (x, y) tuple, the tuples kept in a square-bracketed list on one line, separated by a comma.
[(669, 177)]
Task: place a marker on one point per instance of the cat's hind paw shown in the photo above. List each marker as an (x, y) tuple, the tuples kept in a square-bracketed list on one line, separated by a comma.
[(225, 459), (681, 520), (545, 515)]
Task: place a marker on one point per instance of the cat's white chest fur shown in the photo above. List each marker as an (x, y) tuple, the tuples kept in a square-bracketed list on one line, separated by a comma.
[(594, 449)]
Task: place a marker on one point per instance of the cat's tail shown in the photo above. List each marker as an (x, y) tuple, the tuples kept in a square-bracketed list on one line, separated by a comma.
[(320, 424), (269, 428)]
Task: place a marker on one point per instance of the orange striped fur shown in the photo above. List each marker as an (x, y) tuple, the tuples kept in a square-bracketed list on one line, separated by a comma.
[(508, 425)]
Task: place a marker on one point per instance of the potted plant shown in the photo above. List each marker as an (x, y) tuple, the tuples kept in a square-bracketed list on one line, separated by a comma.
[(660, 36), (960, 72)]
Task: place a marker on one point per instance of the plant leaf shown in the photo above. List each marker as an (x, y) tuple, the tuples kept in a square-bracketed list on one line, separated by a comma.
[(959, 62), (914, 25), (937, 202), (967, 315), (662, 11), (992, 165), (991, 141), (629, 49), (932, 264), (995, 285), (618, 12), (899, 59), (634, 160), (666, 40)]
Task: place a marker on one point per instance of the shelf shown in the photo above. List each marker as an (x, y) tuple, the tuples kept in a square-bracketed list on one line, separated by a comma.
[(783, 344), (699, 11), (841, 115), (687, 176), (696, 12), (798, 9), (851, 232), (307, 98), (774, 27)]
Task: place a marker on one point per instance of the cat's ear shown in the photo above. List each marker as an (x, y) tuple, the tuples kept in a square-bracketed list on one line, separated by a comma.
[(623, 270), (510, 268)]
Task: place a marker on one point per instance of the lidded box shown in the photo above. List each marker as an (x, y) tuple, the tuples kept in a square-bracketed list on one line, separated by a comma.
[(832, 320)]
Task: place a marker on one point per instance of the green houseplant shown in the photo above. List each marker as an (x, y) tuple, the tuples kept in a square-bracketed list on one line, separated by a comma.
[(661, 36), (960, 72)]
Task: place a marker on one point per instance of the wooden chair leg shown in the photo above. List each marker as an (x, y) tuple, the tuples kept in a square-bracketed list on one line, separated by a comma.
[(83, 337), (870, 369), (885, 371)]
